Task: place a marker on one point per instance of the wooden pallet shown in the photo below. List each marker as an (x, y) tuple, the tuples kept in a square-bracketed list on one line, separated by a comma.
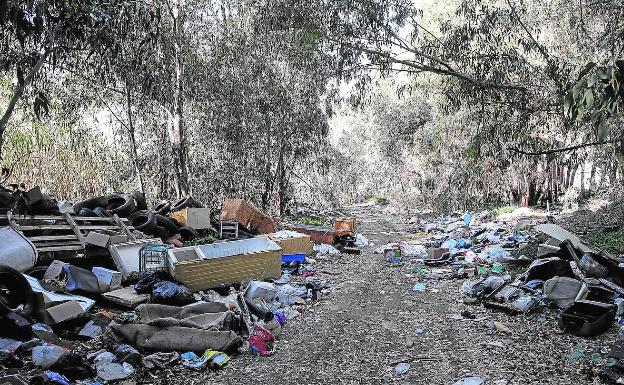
[(52, 233)]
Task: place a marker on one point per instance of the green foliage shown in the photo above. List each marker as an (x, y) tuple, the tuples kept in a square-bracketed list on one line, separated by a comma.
[(68, 161), (607, 83), (377, 199), (38, 35), (504, 210), (202, 240), (610, 241), (310, 220)]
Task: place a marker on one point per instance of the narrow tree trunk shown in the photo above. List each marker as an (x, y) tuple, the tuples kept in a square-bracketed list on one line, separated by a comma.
[(574, 169), (582, 178), (133, 146), (268, 185), (19, 91), (592, 175), (176, 128)]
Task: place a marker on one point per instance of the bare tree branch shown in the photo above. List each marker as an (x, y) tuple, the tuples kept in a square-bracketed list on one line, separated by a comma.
[(563, 149), (437, 70)]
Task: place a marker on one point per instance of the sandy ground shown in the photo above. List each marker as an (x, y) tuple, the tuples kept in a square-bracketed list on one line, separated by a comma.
[(370, 322)]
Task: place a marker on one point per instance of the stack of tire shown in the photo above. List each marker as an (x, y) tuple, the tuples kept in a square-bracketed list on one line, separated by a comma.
[(133, 206), (17, 201)]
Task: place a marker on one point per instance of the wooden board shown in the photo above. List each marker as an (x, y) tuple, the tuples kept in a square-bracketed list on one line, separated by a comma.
[(201, 274), (72, 229)]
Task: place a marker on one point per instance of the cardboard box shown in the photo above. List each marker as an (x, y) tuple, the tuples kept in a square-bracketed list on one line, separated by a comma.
[(246, 214), (206, 266), (197, 218), (436, 253)]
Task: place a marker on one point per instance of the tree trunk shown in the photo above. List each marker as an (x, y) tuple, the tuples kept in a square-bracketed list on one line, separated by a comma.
[(19, 91), (176, 127), (268, 178), (582, 178), (133, 147), (592, 176)]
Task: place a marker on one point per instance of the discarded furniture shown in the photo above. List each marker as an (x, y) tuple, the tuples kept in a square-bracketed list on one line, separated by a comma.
[(344, 227), (246, 214), (318, 234), (228, 230), (205, 266), (587, 318), (291, 242)]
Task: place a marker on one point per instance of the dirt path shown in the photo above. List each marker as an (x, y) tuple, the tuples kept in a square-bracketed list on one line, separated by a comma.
[(371, 321)]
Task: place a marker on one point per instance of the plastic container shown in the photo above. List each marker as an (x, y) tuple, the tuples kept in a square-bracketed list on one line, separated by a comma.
[(288, 258)]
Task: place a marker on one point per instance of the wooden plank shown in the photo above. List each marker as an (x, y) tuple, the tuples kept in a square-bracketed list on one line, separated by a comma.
[(74, 227), (61, 218), (53, 238), (125, 229), (67, 227), (11, 220), (59, 248), (39, 245)]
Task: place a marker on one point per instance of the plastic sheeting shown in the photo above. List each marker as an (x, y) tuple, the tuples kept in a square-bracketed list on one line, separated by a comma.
[(17, 251)]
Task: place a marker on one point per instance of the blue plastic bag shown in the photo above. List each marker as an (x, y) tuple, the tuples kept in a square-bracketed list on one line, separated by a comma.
[(166, 292)]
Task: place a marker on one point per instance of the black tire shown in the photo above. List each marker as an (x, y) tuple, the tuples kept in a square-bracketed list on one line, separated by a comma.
[(175, 221), (6, 199), (92, 203), (167, 223), (37, 271), (160, 232), (163, 208), (183, 203), (188, 233), (86, 212), (14, 291), (46, 206), (143, 221), (139, 198), (125, 209)]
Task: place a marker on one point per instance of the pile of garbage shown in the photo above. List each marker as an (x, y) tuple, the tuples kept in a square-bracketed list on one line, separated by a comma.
[(520, 264), (107, 289), (461, 243), (154, 222)]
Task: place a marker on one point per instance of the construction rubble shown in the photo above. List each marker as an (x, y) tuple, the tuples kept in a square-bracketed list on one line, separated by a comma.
[(108, 289), (518, 264)]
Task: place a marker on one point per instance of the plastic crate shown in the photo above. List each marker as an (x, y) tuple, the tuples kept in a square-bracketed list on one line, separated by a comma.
[(288, 258)]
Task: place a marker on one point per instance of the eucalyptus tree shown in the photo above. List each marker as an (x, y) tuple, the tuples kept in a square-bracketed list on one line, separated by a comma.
[(40, 37)]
